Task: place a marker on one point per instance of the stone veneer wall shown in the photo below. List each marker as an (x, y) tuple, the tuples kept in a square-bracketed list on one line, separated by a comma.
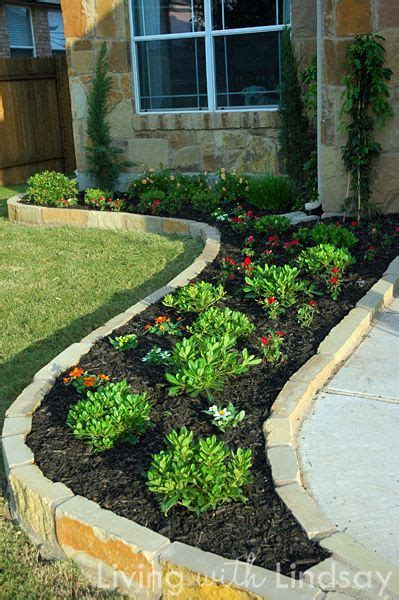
[(247, 141), (342, 20)]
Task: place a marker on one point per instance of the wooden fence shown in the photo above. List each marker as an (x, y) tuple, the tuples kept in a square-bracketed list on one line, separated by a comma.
[(35, 118)]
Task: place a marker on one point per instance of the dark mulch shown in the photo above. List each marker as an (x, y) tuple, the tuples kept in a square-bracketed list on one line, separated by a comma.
[(263, 527)]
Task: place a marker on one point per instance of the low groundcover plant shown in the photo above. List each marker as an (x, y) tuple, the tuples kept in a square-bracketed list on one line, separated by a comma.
[(124, 342), (218, 321), (83, 381), (111, 415), (195, 297), (198, 475)]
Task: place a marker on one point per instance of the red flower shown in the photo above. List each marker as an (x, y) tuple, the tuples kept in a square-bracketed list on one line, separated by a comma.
[(268, 252), (273, 238), (230, 261), (156, 202), (312, 303), (271, 300), (355, 223), (287, 245), (294, 242), (337, 224), (232, 277), (237, 220), (250, 214), (335, 270), (246, 262), (265, 341), (250, 240), (280, 334), (373, 248), (334, 280)]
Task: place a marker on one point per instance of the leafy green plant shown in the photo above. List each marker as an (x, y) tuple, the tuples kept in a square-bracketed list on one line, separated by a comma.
[(101, 200), (231, 186), (365, 106), (218, 321), (328, 263), (222, 418), (271, 344), (323, 233), (153, 202), (277, 287), (272, 224), (156, 356), (306, 313), (109, 416), (195, 297), (125, 342), (83, 381), (51, 189), (105, 159), (198, 475), (272, 193), (205, 202), (201, 365)]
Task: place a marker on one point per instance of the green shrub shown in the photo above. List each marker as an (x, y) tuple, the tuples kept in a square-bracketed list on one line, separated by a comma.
[(195, 297), (198, 475), (218, 321), (271, 193), (205, 202), (231, 187), (328, 263), (124, 342), (201, 365), (101, 200), (110, 415), (152, 202), (327, 234), (162, 180), (272, 224), (278, 287), (51, 189)]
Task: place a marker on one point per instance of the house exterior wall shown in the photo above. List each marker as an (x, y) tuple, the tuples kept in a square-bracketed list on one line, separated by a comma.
[(191, 142), (41, 30), (342, 19)]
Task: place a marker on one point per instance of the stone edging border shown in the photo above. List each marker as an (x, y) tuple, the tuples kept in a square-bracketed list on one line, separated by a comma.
[(115, 551), (287, 414)]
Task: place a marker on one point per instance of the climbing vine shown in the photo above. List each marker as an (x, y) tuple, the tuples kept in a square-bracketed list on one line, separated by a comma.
[(365, 106)]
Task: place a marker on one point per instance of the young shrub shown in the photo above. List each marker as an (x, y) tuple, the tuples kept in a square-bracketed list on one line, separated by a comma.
[(195, 297), (101, 200), (51, 189), (218, 321), (277, 287), (271, 344), (164, 326), (223, 418), (156, 356), (327, 234), (231, 187), (83, 381), (272, 224), (204, 201), (271, 193), (328, 263), (105, 159), (163, 181), (198, 475), (306, 313), (109, 416), (202, 365), (124, 342), (152, 202)]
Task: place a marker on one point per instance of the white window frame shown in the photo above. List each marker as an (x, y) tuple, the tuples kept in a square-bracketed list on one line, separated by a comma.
[(208, 34)]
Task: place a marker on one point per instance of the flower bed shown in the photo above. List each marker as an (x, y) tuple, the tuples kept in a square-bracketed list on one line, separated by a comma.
[(281, 341)]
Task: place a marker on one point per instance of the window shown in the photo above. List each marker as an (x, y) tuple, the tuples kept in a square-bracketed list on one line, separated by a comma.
[(210, 55), (57, 36), (20, 35)]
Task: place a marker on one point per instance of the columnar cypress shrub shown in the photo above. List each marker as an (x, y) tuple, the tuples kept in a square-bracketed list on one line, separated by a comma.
[(105, 159)]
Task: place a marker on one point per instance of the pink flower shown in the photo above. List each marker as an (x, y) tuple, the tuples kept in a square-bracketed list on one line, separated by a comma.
[(268, 252), (249, 240)]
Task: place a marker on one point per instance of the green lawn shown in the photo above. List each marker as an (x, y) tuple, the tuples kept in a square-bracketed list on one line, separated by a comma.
[(57, 285)]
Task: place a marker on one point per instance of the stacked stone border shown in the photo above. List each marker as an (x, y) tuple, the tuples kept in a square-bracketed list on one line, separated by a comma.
[(118, 553)]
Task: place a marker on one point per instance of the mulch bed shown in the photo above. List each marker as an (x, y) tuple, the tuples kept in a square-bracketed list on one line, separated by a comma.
[(263, 529)]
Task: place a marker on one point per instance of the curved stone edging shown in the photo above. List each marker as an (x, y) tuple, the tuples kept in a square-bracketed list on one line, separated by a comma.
[(291, 408), (141, 562)]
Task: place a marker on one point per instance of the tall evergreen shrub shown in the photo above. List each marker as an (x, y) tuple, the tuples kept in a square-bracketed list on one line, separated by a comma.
[(105, 159)]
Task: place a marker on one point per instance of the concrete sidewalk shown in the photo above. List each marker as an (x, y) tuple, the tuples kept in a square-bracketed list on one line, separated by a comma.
[(349, 444)]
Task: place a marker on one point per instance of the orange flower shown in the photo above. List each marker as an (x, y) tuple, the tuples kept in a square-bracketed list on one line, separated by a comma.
[(147, 326), (103, 377), (67, 379), (89, 381), (76, 372)]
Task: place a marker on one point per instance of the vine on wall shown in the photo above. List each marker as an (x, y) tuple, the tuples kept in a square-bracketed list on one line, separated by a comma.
[(365, 106)]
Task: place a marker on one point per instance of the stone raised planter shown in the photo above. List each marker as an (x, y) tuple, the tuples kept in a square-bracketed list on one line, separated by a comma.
[(118, 553)]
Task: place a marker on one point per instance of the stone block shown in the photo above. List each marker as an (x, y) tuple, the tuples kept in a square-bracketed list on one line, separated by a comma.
[(28, 215), (118, 321), (74, 18), (65, 216), (17, 426), (105, 19), (316, 371), (157, 295), (292, 400), (176, 226), (346, 336), (388, 14), (106, 220), (29, 400), (68, 358), (137, 308), (284, 465), (306, 511), (149, 153), (386, 183), (119, 57), (34, 499), (120, 120), (334, 178), (83, 527), (82, 61), (353, 17), (277, 432), (15, 452), (380, 295), (393, 268), (144, 223), (192, 574)]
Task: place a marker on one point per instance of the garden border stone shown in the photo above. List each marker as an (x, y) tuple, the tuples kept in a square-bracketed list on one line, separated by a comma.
[(137, 560)]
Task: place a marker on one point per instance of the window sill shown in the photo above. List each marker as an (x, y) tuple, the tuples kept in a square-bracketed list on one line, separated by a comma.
[(232, 119)]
